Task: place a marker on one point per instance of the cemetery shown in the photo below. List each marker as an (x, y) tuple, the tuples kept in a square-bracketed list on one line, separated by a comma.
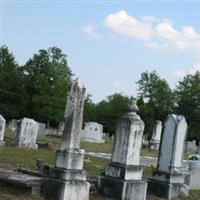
[(99, 100), (118, 169)]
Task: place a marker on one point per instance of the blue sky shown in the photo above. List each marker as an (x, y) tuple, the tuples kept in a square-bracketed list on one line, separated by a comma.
[(108, 43)]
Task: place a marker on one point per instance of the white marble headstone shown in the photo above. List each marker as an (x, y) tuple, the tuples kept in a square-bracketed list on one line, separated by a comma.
[(27, 132), (93, 132), (128, 137)]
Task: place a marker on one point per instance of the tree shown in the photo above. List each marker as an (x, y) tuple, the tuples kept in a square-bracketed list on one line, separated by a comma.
[(156, 99), (48, 78), (12, 93), (89, 110), (188, 103), (110, 109)]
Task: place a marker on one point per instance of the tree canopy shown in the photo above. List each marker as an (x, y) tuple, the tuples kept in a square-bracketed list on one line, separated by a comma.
[(39, 90), (12, 91), (188, 103), (156, 99), (47, 77)]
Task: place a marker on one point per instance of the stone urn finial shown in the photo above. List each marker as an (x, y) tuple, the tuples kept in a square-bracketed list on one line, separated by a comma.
[(132, 107)]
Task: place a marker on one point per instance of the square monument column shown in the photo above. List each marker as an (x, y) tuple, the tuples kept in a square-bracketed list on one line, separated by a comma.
[(168, 180), (122, 177), (67, 180), (2, 130)]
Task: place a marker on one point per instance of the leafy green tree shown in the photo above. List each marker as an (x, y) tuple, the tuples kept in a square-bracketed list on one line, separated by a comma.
[(89, 110), (48, 78), (110, 109), (156, 99), (12, 93), (188, 103)]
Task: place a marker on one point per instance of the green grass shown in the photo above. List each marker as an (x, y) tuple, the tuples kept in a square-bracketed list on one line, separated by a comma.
[(102, 148), (149, 152), (17, 157)]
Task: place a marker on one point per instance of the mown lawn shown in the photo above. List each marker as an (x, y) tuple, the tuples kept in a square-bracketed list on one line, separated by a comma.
[(16, 157)]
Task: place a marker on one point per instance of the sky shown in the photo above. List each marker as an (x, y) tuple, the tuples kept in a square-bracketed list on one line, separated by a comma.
[(108, 43)]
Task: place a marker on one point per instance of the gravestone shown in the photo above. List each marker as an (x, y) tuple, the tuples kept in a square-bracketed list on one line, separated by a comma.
[(67, 180), (41, 129), (122, 177), (93, 132), (61, 127), (52, 131), (26, 133), (155, 140), (168, 180), (191, 147), (2, 130), (13, 125)]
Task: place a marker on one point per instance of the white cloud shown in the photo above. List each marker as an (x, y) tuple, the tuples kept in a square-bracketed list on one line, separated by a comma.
[(166, 31), (149, 19), (156, 34), (90, 31), (182, 72), (186, 39), (156, 46), (127, 25)]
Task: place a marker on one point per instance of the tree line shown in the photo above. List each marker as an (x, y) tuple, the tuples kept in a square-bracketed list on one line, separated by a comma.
[(39, 88)]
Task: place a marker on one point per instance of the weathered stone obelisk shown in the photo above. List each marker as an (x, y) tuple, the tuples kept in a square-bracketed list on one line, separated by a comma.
[(67, 180), (168, 180), (122, 177)]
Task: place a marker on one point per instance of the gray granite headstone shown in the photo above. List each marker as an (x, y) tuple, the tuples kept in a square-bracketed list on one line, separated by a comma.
[(168, 180)]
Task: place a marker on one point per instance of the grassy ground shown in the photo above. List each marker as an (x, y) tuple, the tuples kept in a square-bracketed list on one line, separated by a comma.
[(16, 157)]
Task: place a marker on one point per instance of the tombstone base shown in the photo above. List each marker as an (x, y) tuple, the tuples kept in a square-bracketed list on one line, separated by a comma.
[(56, 189), (64, 184), (126, 172), (65, 174), (122, 189), (70, 158), (166, 189)]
